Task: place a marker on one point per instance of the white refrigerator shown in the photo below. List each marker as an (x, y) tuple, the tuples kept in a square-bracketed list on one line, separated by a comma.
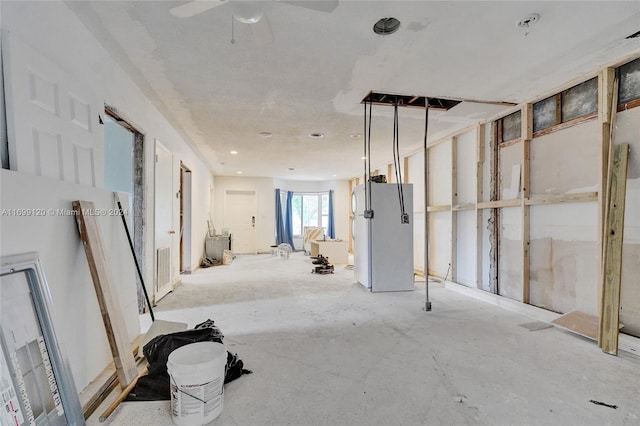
[(383, 245)]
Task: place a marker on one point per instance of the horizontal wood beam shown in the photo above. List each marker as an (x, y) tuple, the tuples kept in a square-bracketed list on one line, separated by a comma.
[(499, 204), (466, 206), (580, 197), (444, 208)]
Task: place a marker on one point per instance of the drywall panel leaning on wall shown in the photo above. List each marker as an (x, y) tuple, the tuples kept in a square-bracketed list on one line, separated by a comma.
[(36, 216)]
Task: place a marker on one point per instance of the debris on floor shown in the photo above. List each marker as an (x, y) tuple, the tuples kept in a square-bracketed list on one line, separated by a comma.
[(207, 262), (615, 407), (324, 267), (155, 385), (536, 325)]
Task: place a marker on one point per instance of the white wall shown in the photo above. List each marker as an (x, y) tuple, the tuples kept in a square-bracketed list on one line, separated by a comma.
[(54, 31), (77, 319)]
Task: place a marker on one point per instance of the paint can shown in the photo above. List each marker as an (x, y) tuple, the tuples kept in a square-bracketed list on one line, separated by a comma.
[(196, 373)]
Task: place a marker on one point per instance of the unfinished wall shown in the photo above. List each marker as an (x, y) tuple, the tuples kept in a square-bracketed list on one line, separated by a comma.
[(628, 131), (465, 197)]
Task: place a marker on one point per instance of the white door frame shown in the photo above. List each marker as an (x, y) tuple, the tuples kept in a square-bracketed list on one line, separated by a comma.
[(160, 292)]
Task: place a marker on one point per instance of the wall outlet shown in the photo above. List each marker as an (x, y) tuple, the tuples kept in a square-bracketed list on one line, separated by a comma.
[(405, 218), (368, 214)]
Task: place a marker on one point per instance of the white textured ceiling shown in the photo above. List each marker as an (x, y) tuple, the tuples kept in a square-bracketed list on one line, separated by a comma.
[(319, 66)]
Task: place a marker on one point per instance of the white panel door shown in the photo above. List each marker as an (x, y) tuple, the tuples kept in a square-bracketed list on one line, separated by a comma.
[(164, 206), (240, 218), (53, 120)]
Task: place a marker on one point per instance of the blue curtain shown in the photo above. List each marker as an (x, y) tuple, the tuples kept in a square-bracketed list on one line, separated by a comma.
[(288, 217), (331, 228), (280, 230)]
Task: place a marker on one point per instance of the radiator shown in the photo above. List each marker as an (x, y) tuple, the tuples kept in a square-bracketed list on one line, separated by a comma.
[(163, 268)]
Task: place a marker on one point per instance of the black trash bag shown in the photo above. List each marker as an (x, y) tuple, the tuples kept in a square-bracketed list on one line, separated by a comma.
[(155, 385)]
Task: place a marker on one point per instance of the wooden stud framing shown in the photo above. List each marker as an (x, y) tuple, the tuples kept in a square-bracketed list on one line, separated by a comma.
[(454, 213), (443, 208), (479, 195), (527, 135), (389, 174), (559, 199), (516, 202), (606, 98), (610, 303)]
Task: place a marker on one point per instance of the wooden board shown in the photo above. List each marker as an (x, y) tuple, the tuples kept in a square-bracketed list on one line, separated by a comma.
[(160, 327), (112, 316), (580, 323), (610, 303)]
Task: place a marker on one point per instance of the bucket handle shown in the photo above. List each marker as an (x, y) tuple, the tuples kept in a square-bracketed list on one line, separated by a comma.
[(195, 397)]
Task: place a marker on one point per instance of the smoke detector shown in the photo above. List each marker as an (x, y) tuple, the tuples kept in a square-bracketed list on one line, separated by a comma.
[(386, 26)]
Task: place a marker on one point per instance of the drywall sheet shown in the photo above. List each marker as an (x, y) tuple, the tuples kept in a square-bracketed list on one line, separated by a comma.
[(418, 241), (440, 174), (467, 153), (565, 257), (567, 160), (510, 253), (416, 177), (36, 217), (628, 131), (509, 176), (466, 248), (439, 243)]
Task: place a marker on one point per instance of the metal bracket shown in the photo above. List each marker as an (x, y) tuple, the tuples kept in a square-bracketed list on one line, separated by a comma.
[(368, 214)]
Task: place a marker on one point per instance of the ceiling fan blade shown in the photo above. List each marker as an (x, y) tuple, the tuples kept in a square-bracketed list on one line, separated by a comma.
[(195, 7), (326, 6), (261, 32)]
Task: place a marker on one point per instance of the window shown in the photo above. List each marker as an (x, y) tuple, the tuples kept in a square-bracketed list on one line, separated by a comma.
[(570, 106), (509, 127), (310, 209), (629, 86)]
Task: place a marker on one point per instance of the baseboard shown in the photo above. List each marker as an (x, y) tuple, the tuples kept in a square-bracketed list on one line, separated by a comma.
[(626, 343)]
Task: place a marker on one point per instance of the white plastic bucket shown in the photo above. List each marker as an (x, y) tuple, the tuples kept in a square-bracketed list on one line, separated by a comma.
[(196, 372)]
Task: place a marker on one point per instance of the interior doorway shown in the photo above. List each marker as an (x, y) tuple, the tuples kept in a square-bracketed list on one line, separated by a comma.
[(124, 172), (185, 219)]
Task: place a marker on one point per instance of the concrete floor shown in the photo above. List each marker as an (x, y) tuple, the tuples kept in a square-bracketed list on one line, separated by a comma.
[(324, 351)]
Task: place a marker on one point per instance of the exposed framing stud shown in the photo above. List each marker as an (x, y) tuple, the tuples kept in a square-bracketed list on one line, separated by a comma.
[(527, 135), (480, 136), (390, 178), (454, 213), (405, 170)]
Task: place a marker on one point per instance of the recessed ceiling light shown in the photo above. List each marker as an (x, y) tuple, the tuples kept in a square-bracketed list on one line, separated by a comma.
[(291, 168), (266, 134), (239, 172), (363, 158), (316, 135), (355, 135), (233, 152), (386, 26), (334, 175)]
